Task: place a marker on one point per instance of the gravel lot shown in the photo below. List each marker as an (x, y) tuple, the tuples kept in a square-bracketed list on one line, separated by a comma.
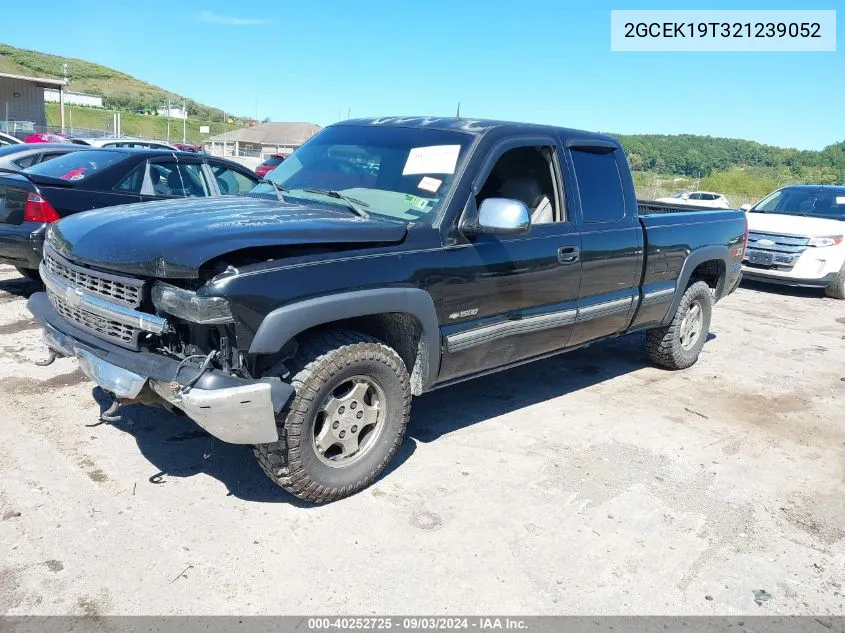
[(589, 483)]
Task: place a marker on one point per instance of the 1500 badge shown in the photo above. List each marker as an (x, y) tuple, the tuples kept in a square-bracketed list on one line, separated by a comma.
[(463, 314)]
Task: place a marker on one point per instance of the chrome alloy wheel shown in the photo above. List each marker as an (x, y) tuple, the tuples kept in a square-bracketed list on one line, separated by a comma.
[(349, 422), (691, 325)]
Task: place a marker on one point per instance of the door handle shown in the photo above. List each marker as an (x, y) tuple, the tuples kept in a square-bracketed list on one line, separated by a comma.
[(568, 255)]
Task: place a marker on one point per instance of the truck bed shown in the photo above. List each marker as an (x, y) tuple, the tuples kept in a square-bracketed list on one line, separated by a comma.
[(650, 207)]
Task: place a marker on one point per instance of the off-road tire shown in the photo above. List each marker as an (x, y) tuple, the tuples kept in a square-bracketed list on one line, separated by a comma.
[(321, 360), (30, 274), (664, 343), (836, 288)]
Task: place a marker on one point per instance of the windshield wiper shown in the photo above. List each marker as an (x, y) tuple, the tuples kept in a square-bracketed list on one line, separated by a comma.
[(279, 189), (352, 203)]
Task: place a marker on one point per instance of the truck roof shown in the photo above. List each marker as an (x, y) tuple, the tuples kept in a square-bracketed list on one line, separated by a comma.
[(477, 127)]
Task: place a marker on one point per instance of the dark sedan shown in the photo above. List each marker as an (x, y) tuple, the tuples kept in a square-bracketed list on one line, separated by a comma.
[(19, 157), (96, 178)]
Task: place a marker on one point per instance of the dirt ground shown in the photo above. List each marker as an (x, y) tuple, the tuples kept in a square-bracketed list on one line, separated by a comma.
[(591, 483)]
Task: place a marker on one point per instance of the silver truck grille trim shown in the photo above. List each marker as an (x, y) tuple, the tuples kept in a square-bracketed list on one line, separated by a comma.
[(106, 319), (113, 288)]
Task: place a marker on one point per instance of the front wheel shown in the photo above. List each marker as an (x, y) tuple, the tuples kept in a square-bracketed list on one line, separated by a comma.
[(836, 288), (346, 420), (678, 345)]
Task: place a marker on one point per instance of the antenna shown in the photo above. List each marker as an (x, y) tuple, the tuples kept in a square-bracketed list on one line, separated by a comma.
[(458, 115)]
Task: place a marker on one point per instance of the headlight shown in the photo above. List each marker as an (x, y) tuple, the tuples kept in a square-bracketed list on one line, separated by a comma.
[(833, 240), (190, 306)]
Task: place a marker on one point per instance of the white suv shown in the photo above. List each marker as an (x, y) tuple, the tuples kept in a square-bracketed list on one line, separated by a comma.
[(698, 199), (796, 236)]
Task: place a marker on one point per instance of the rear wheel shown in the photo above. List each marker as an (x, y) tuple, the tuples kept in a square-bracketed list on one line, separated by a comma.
[(31, 274), (346, 420), (836, 288), (678, 345)]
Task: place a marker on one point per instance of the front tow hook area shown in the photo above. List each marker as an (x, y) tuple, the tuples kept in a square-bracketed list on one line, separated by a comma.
[(51, 358)]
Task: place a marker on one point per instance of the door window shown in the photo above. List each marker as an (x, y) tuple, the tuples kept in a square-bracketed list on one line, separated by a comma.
[(26, 161), (599, 185), (50, 156), (231, 182), (182, 180), (133, 181), (525, 174)]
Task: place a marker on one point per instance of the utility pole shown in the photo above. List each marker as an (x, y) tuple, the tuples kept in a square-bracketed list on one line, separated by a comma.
[(184, 118), (168, 120), (62, 98)]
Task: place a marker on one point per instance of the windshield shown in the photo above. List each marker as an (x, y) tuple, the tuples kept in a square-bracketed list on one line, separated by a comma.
[(402, 173), (824, 202), (77, 165)]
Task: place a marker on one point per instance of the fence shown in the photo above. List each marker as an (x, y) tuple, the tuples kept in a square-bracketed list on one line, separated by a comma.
[(22, 129)]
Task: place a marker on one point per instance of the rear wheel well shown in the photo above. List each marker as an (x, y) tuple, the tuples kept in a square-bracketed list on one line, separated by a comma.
[(712, 272)]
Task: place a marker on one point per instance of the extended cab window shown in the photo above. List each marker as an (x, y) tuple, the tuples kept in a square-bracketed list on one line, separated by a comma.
[(525, 174), (599, 185), (404, 173)]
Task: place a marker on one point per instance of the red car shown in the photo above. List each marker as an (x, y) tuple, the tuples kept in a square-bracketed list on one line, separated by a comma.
[(46, 137), (186, 147), (273, 161)]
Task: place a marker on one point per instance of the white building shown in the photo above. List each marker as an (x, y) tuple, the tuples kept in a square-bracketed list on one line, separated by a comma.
[(175, 113), (51, 95), (22, 99), (260, 141)]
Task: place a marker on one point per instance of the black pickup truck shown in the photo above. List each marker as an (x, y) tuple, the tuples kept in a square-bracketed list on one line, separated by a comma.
[(385, 258)]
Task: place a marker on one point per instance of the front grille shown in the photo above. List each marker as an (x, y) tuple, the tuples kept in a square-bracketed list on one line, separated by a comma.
[(780, 243), (773, 250), (122, 290), (94, 323)]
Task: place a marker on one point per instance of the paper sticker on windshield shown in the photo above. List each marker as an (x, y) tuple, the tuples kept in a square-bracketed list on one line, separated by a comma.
[(840, 199), (435, 159), (415, 202), (429, 184)]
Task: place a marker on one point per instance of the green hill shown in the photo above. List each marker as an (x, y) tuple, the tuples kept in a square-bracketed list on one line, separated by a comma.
[(119, 90)]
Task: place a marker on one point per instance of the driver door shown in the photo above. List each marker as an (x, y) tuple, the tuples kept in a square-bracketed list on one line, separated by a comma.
[(510, 298)]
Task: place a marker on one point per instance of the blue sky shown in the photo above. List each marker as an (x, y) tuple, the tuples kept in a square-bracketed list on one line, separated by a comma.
[(544, 61)]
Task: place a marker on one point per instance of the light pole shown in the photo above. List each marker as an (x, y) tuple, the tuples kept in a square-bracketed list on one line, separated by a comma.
[(62, 98)]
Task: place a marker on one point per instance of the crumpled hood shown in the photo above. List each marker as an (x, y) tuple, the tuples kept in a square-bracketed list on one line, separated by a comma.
[(794, 225), (174, 238)]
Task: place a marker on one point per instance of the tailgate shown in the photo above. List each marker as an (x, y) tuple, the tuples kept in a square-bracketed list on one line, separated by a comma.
[(13, 193)]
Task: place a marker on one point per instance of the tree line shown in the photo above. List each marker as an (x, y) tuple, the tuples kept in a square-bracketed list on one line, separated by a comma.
[(702, 156)]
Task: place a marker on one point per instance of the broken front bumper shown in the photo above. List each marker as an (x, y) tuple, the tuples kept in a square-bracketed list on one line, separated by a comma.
[(232, 409)]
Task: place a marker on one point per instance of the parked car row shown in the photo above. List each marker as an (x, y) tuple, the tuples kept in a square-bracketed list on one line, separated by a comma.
[(85, 178)]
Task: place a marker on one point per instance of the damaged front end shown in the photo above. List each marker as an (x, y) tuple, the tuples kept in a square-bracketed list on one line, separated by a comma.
[(180, 357)]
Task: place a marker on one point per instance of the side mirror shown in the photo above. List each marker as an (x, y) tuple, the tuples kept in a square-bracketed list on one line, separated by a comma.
[(501, 216), (745, 207)]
